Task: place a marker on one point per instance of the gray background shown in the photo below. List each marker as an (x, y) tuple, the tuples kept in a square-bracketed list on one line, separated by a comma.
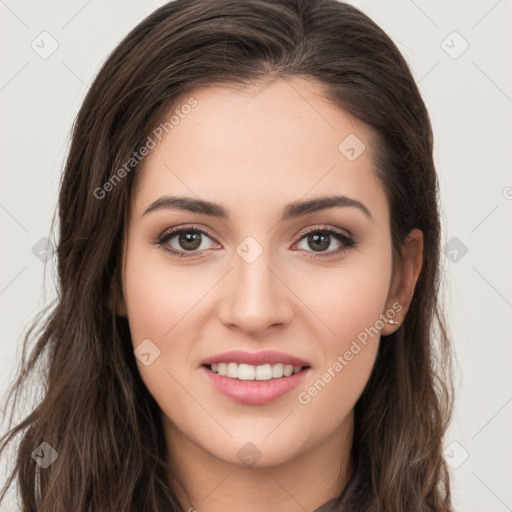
[(468, 92)]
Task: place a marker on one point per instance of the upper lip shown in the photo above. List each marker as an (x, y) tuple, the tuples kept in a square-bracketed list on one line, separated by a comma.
[(256, 358)]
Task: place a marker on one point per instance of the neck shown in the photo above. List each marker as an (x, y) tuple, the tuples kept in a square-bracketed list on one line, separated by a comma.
[(306, 482)]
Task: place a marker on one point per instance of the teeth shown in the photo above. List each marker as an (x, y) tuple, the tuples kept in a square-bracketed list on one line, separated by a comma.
[(250, 372)]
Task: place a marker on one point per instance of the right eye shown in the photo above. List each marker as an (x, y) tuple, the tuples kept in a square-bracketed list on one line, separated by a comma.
[(183, 242)]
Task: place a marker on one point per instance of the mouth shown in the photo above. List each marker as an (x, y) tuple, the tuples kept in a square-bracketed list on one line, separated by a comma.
[(254, 385), (249, 372)]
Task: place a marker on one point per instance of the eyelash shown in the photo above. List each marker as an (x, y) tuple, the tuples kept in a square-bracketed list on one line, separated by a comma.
[(347, 241)]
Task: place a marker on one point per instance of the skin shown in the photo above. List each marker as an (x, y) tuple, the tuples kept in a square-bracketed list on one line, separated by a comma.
[(255, 150)]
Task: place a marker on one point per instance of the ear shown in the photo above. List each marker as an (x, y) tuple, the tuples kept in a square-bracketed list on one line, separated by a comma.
[(116, 300), (404, 280)]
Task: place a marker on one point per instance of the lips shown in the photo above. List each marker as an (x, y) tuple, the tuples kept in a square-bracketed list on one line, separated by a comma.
[(255, 392), (241, 385), (271, 357)]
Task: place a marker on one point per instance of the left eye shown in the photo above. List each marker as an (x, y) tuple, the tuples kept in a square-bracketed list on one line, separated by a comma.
[(320, 240)]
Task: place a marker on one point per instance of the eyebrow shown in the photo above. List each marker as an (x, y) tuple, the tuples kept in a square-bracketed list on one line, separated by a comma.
[(291, 211)]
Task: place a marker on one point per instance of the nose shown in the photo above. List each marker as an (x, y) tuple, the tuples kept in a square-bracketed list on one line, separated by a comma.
[(255, 297)]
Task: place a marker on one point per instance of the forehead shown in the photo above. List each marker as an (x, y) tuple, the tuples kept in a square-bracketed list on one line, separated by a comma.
[(262, 144)]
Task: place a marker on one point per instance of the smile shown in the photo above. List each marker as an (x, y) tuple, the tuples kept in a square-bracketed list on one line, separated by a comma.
[(254, 385), (251, 372)]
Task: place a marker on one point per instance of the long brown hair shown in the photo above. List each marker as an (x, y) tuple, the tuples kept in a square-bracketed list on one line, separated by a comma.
[(95, 411)]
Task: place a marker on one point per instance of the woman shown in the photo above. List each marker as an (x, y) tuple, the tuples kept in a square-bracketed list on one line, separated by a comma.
[(248, 257)]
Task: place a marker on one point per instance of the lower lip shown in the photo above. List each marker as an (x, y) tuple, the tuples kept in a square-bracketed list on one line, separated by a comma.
[(254, 392)]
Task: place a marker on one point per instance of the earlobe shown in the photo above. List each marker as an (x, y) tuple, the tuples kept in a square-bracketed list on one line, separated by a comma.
[(405, 282)]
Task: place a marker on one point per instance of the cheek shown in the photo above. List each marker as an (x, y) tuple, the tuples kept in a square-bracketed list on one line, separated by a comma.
[(159, 294), (164, 304), (159, 300), (347, 303), (347, 298), (351, 309)]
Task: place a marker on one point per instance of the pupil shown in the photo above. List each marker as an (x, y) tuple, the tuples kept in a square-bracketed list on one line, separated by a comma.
[(190, 241), (315, 239)]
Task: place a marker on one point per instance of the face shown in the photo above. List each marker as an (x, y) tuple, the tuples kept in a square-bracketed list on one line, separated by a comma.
[(268, 275)]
